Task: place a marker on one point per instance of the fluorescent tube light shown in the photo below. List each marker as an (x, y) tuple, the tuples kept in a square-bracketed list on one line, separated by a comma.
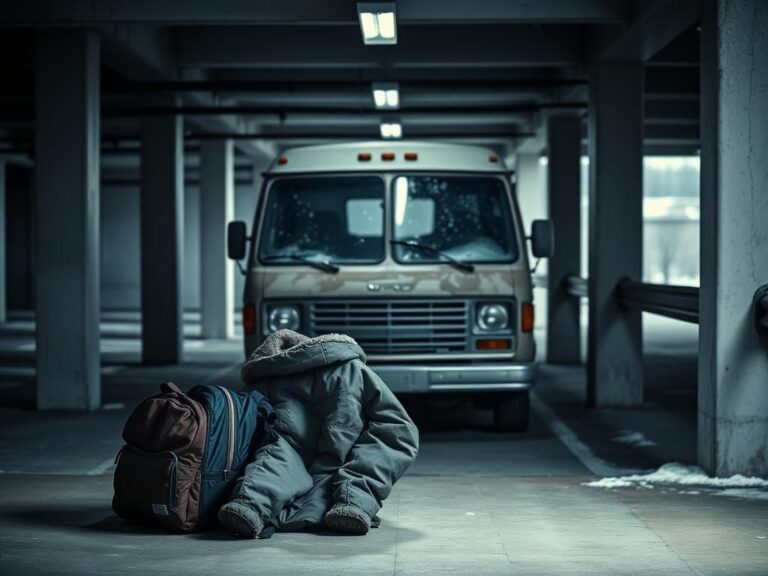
[(386, 94), (391, 130), (378, 22), (380, 98), (368, 22), (386, 21)]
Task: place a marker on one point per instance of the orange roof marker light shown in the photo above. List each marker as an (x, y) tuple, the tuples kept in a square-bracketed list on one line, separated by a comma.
[(493, 158), (411, 156), (282, 160), (388, 156), (364, 157)]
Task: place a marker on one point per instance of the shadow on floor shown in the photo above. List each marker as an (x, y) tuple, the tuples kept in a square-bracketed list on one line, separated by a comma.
[(102, 520)]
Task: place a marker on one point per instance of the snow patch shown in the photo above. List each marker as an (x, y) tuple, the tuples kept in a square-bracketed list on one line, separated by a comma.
[(632, 438), (680, 474), (745, 493)]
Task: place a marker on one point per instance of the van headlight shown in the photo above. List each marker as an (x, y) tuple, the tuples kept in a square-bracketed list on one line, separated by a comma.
[(283, 317), (492, 317)]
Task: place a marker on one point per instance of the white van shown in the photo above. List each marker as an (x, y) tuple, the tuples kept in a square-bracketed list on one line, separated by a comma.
[(414, 249)]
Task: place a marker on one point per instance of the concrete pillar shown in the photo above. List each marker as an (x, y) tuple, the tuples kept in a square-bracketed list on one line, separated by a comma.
[(530, 187), (3, 274), (614, 365), (563, 316), (246, 199), (733, 359), (162, 195), (530, 191), (67, 212), (217, 195)]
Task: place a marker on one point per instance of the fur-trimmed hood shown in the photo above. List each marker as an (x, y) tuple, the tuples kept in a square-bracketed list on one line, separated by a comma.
[(288, 352)]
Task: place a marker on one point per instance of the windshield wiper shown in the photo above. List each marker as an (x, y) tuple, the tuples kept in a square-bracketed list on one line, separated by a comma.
[(458, 264), (324, 265)]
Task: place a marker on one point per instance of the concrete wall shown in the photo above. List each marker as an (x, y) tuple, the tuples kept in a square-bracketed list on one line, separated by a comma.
[(120, 265), (19, 238), (120, 247), (120, 274)]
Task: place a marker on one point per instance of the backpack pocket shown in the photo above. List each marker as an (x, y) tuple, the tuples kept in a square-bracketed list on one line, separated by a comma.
[(152, 486)]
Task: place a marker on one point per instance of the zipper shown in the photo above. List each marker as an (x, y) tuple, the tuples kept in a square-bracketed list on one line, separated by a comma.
[(231, 444)]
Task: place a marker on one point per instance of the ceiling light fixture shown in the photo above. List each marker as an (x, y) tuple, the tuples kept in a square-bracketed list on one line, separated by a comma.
[(386, 95), (391, 130), (378, 22)]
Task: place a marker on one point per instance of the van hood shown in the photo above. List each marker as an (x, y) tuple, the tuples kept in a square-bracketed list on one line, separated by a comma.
[(288, 352)]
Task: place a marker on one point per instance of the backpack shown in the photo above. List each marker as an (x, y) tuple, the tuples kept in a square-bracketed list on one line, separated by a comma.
[(184, 452)]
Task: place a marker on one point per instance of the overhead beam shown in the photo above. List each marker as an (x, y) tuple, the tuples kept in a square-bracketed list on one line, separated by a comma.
[(685, 50), (455, 76), (352, 85), (362, 134), (670, 131), (255, 109), (145, 53), (264, 137), (183, 12), (672, 83), (653, 29), (443, 45), (672, 110)]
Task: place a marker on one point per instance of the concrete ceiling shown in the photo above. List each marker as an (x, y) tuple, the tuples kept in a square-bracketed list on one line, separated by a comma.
[(276, 74)]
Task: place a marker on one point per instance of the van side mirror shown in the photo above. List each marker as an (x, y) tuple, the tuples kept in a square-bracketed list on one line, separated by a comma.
[(543, 239), (236, 239)]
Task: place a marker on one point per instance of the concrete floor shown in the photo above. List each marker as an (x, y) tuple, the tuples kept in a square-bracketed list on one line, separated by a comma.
[(475, 502)]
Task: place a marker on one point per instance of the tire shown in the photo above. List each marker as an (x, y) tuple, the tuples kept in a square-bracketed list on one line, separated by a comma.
[(510, 414)]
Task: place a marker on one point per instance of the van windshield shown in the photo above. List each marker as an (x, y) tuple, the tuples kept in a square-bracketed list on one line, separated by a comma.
[(467, 218), (328, 219)]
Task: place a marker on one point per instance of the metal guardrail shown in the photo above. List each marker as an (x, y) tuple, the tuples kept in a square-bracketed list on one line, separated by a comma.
[(576, 287), (680, 302), (540, 281)]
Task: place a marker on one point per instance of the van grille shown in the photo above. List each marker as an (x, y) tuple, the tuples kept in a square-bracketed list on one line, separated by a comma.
[(395, 326)]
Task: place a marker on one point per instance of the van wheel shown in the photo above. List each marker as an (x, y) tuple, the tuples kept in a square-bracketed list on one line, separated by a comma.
[(510, 414)]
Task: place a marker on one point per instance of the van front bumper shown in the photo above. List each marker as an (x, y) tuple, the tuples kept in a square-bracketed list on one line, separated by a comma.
[(496, 377)]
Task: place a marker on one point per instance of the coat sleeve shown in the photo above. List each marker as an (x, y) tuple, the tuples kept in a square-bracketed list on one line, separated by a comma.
[(337, 408), (382, 453)]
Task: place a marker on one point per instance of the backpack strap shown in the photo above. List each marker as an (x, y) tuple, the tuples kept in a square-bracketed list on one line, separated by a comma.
[(265, 410), (267, 417)]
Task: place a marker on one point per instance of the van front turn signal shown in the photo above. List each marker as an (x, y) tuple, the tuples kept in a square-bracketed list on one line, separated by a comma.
[(526, 324)]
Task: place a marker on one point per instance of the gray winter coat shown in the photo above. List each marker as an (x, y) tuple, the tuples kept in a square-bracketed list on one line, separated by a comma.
[(342, 436)]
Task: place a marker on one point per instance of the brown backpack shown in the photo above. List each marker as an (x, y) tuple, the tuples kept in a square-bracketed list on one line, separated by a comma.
[(183, 453)]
